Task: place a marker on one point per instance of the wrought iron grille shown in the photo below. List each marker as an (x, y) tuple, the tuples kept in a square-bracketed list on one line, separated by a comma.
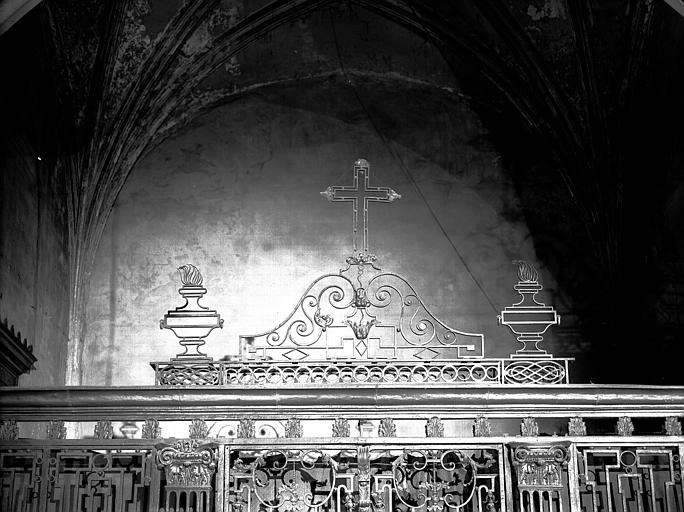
[(76, 478), (622, 478), (366, 478), (243, 475)]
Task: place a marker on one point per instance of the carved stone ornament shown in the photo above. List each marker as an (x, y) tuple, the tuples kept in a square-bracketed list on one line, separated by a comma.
[(198, 429), (246, 428), (434, 427), (540, 467), (293, 428), (577, 427), (673, 426), (387, 428), (340, 428), (151, 429), (482, 427), (529, 427), (104, 429), (187, 464), (624, 426), (56, 429), (9, 430)]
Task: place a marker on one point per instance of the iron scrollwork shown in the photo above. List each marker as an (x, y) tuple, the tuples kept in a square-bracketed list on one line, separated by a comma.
[(434, 479), (353, 317), (293, 480)]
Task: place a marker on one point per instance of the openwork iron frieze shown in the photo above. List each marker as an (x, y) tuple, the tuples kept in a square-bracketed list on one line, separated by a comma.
[(364, 479), (373, 371)]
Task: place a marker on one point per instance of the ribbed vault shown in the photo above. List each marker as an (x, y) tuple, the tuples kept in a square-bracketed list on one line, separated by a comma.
[(566, 89)]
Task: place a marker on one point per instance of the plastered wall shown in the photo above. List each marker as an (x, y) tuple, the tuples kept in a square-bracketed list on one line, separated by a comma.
[(34, 277)]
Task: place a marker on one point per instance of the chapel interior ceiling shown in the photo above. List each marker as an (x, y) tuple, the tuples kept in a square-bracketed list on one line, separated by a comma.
[(582, 100)]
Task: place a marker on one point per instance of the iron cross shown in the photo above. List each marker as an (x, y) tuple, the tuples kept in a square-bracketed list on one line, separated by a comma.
[(360, 190)]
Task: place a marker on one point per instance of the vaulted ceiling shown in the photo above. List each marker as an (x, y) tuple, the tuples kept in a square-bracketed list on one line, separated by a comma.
[(582, 98)]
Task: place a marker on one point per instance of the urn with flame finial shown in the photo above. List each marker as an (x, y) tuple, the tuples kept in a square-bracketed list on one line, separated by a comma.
[(191, 322), (528, 319)]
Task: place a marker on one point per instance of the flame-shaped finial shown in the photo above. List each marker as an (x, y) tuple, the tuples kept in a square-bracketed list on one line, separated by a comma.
[(526, 272), (190, 275)]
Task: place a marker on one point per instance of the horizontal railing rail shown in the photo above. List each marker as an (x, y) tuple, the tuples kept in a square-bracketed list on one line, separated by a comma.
[(92, 403)]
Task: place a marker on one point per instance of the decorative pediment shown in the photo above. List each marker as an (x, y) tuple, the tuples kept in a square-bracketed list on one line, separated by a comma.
[(380, 317)]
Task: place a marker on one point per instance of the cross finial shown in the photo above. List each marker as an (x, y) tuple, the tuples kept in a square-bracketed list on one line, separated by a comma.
[(360, 190)]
